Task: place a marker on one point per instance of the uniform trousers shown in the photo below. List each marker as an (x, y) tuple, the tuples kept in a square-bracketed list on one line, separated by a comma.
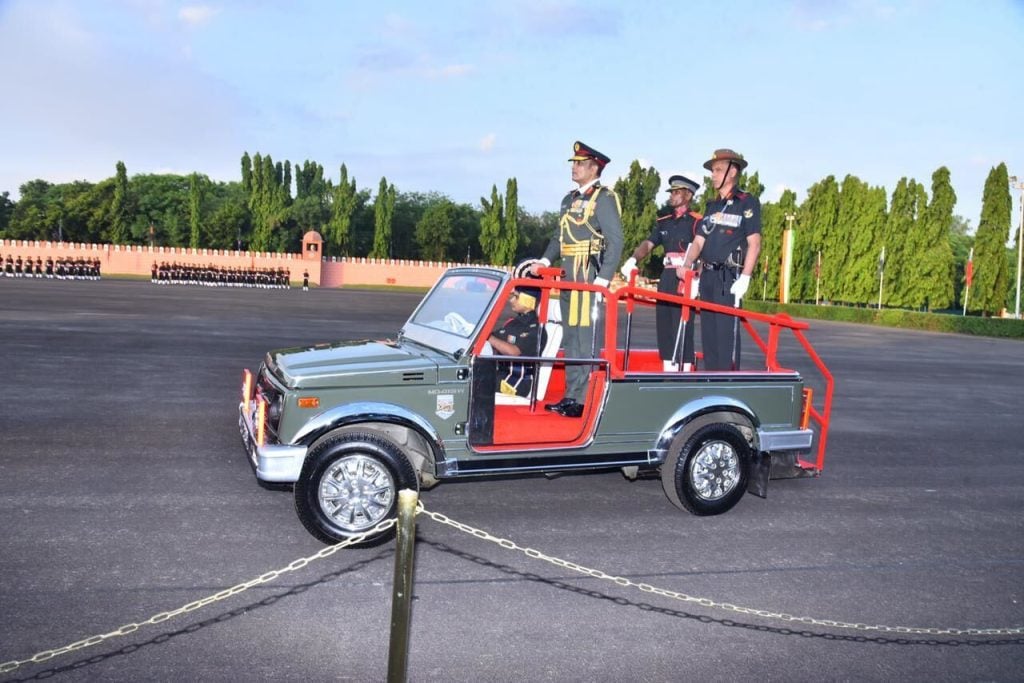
[(578, 342), (719, 333)]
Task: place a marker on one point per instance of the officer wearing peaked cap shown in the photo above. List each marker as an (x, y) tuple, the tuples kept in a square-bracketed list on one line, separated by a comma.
[(674, 231), (727, 242), (589, 244)]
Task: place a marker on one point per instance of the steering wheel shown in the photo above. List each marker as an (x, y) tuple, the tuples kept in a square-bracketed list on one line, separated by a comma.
[(457, 324)]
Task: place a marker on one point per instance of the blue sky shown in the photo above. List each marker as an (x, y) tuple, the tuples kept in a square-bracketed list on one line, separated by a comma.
[(456, 96)]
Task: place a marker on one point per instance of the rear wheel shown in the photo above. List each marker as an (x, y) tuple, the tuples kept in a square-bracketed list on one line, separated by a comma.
[(349, 484), (707, 473)]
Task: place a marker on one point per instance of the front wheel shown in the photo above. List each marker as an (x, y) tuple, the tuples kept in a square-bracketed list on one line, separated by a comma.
[(707, 474), (349, 484)]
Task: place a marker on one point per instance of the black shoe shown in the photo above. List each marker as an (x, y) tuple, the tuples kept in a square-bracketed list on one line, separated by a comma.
[(573, 409), (557, 407)]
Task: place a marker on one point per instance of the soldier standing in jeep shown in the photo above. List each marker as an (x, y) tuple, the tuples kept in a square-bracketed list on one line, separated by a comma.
[(589, 242)]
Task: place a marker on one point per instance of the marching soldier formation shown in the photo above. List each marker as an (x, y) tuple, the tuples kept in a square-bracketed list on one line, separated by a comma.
[(60, 269), (175, 273)]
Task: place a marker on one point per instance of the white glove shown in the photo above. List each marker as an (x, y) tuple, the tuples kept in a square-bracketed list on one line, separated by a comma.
[(628, 267), (739, 288), (695, 287), (674, 259), (600, 282)]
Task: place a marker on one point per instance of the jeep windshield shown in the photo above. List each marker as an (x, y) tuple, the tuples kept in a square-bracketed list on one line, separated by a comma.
[(449, 315)]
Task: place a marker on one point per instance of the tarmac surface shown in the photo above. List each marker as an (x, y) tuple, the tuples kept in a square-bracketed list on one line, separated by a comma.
[(124, 493)]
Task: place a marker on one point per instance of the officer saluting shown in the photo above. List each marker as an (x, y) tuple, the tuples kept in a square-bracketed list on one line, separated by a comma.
[(589, 242), (728, 242), (674, 231)]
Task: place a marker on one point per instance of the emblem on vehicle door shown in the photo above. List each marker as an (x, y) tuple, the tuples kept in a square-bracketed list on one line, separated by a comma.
[(445, 406)]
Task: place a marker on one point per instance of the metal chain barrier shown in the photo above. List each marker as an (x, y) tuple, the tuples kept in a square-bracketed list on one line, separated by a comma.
[(705, 602), (7, 667)]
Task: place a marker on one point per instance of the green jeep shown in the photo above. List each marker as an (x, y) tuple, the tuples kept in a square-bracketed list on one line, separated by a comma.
[(351, 423)]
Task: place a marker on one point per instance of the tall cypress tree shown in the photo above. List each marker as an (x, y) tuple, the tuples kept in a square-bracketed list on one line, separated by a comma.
[(861, 220), (936, 259), (769, 268), (343, 205), (195, 205), (898, 227), (247, 173), (383, 214), (816, 218), (510, 231), (638, 193), (991, 271), (119, 208), (491, 219)]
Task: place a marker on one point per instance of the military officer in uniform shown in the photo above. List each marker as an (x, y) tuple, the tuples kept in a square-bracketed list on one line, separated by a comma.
[(520, 335), (674, 231), (589, 243), (727, 242)]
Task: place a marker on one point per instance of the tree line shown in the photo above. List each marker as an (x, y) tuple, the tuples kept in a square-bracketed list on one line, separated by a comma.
[(841, 230)]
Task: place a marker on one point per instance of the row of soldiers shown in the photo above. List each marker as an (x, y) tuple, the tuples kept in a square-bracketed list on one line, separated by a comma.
[(61, 268), (175, 273)]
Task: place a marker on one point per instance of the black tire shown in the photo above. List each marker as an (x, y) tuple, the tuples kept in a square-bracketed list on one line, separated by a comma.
[(349, 483), (707, 473)]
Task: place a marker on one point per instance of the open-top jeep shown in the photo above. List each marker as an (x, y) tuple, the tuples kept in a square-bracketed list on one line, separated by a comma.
[(351, 423)]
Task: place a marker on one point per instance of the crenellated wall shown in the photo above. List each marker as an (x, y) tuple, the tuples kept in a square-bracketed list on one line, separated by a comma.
[(325, 272)]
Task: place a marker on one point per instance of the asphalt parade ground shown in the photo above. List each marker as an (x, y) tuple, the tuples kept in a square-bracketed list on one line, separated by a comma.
[(125, 492)]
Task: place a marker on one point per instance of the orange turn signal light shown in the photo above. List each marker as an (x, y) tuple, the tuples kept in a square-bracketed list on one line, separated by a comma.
[(246, 386), (309, 402), (261, 421)]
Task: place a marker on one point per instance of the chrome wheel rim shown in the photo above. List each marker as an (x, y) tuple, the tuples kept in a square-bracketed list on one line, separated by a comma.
[(356, 492), (714, 470)]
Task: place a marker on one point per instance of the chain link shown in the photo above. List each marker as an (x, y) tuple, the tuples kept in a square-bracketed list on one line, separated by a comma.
[(706, 602), (7, 667)]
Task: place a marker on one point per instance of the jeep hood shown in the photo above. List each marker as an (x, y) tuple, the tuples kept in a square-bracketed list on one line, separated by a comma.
[(351, 364)]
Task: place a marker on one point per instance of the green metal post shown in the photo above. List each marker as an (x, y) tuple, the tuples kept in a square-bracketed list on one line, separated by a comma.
[(401, 591)]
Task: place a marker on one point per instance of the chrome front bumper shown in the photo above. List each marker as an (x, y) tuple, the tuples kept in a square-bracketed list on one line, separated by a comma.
[(271, 462)]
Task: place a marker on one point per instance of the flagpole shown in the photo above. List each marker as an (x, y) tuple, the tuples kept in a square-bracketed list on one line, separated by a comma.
[(817, 281), (881, 274), (968, 276)]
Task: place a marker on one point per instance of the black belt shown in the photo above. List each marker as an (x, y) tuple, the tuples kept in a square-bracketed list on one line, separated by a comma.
[(716, 266)]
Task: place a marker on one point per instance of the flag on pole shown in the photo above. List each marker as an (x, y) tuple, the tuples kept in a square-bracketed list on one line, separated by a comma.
[(970, 267), (881, 261)]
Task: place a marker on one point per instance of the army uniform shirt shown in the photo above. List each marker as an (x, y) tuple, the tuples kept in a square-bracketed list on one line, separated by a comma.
[(674, 233), (726, 225), (521, 331)]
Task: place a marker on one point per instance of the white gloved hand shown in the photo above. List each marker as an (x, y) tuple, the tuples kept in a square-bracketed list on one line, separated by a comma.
[(628, 267), (695, 288), (739, 288), (600, 282), (674, 259)]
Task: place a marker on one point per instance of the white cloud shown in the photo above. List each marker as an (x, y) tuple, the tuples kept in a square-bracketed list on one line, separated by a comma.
[(197, 15), (487, 143)]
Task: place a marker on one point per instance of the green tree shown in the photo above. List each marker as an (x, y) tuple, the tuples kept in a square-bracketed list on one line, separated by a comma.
[(6, 209), (638, 193), (510, 231), (196, 191), (535, 231), (246, 173), (383, 214), (815, 222), (162, 201), (936, 258), (491, 219), (434, 230), (773, 223), (344, 199), (861, 221), (120, 210), (991, 270)]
